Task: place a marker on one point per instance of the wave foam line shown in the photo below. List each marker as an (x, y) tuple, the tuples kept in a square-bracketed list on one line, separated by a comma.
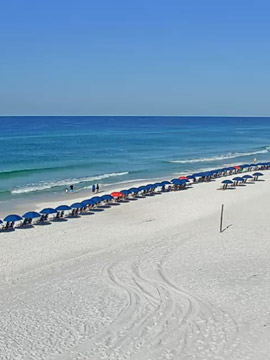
[(220, 157), (66, 182)]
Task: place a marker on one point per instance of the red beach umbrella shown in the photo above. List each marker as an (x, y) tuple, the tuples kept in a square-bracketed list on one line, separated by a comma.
[(183, 177), (117, 194), (237, 167)]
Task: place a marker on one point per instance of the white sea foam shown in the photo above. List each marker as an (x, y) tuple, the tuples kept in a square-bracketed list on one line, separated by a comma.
[(221, 157), (65, 182)]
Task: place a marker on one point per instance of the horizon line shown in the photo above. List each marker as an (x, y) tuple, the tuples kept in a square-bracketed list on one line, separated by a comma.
[(190, 116)]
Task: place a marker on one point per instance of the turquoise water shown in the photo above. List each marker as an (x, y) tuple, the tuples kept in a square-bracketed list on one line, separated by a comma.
[(47, 154)]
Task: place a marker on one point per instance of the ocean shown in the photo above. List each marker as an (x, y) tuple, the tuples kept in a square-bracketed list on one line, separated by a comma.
[(41, 155)]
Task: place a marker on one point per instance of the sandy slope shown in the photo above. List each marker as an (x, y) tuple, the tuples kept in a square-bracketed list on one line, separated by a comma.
[(149, 279)]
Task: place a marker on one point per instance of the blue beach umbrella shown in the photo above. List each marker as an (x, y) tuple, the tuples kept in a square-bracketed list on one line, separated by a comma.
[(134, 190), (175, 181), (63, 208), (158, 184), (12, 218), (184, 181), (165, 182), (77, 206), (191, 177), (125, 192), (247, 177), (201, 174), (31, 215), (1, 222), (107, 197), (227, 182), (88, 202), (48, 211), (257, 174), (142, 188), (97, 199), (238, 178)]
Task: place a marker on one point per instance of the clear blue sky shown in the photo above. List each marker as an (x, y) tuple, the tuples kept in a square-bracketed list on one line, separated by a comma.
[(152, 57)]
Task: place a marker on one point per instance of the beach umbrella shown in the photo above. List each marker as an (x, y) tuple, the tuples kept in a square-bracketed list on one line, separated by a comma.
[(227, 182), (191, 177), (97, 199), (238, 178), (117, 194), (247, 177), (125, 192), (176, 181), (236, 167), (201, 174), (183, 177), (63, 208), (1, 222), (107, 197), (77, 206), (12, 218), (134, 190), (48, 211), (158, 184), (184, 181), (257, 174), (31, 215), (165, 182), (88, 202)]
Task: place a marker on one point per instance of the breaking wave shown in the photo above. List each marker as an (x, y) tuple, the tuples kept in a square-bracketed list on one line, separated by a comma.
[(221, 157), (65, 182)]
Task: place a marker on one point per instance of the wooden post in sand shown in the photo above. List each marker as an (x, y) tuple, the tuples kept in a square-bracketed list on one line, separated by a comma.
[(221, 218)]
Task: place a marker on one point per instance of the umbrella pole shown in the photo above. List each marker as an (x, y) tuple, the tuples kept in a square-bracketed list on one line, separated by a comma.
[(221, 218)]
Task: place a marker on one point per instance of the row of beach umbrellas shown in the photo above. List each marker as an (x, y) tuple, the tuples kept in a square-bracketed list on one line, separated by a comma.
[(96, 200)]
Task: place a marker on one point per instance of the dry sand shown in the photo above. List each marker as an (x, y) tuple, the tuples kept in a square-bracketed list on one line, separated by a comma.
[(150, 279)]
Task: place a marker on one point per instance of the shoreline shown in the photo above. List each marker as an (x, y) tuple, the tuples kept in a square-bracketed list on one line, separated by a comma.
[(53, 199)]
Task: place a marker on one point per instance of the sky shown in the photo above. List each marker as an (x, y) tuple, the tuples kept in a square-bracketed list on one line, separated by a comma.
[(140, 57)]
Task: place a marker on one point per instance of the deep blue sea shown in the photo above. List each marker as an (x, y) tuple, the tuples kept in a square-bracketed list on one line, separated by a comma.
[(47, 154)]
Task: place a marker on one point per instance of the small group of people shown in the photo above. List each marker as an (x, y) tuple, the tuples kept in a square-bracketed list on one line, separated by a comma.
[(95, 188)]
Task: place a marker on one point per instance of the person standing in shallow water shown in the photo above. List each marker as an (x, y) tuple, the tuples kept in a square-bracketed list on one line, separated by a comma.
[(93, 188), (97, 188)]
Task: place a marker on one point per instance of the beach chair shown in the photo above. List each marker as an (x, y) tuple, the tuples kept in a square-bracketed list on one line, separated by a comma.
[(43, 219), (9, 226)]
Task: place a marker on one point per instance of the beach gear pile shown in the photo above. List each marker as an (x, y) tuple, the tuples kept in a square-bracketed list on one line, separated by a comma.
[(62, 212)]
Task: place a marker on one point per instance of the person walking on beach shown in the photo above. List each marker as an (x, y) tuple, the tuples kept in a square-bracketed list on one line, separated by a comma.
[(71, 188), (93, 188), (97, 188)]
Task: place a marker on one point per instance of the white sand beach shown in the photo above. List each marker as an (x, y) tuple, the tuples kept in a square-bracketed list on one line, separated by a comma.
[(151, 279)]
